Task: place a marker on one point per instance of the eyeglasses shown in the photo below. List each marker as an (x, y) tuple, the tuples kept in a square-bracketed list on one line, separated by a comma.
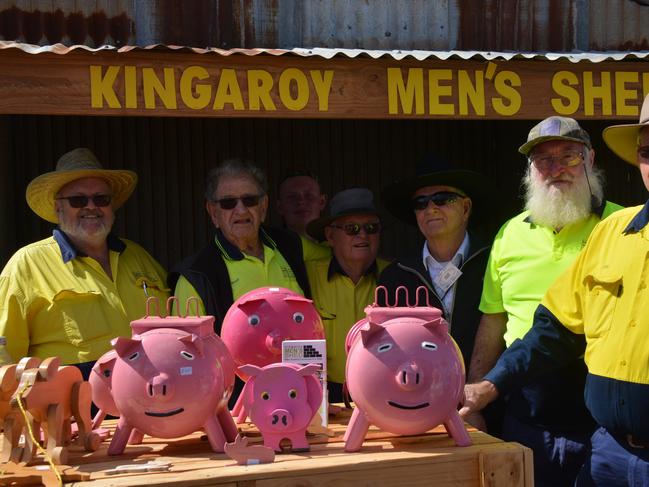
[(643, 152), (543, 162), (81, 200), (248, 201), (441, 198), (352, 229)]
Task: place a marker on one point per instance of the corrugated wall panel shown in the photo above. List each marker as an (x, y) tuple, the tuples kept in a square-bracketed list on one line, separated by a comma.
[(518, 25), (172, 156)]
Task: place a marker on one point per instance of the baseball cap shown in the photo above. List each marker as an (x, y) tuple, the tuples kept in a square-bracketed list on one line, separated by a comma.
[(555, 128)]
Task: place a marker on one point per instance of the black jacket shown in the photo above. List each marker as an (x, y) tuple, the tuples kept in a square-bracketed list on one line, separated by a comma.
[(207, 273), (411, 273)]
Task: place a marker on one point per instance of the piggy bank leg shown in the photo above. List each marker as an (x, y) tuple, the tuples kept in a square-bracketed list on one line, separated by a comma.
[(455, 428), (120, 438), (356, 431), (272, 440), (227, 424), (299, 443), (215, 434), (136, 437), (98, 419), (236, 410)]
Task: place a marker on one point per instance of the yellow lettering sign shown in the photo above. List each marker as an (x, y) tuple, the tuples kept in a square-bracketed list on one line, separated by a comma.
[(436, 90), (203, 92), (260, 83), (400, 93), (509, 102), (322, 85), (293, 77), (101, 87), (152, 86)]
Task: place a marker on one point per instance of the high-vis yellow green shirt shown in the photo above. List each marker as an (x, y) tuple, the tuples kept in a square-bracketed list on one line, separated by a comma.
[(54, 302), (525, 260), (341, 303), (247, 274), (599, 308)]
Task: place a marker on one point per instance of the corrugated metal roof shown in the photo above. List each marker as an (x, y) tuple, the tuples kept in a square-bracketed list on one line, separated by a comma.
[(594, 57)]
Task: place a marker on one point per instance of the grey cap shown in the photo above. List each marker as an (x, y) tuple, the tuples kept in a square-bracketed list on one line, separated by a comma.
[(555, 128), (353, 201)]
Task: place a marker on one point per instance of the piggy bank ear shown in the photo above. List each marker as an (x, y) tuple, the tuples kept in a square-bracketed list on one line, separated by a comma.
[(297, 299), (368, 331), (251, 370), (308, 369), (251, 305), (195, 341), (313, 391), (105, 362), (124, 346), (438, 325)]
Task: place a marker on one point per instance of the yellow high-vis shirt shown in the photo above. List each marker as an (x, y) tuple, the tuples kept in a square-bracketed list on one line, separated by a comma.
[(341, 303), (56, 304)]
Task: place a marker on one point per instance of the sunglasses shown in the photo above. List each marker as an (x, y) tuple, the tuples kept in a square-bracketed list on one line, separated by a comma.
[(81, 201), (543, 162), (248, 201), (643, 152), (352, 229), (441, 198)]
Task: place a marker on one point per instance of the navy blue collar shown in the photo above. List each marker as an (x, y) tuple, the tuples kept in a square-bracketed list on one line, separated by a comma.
[(232, 252), (69, 251), (596, 210), (639, 221), (334, 267)]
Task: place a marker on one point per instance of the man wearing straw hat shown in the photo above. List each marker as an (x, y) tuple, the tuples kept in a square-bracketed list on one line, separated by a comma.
[(70, 294), (597, 309)]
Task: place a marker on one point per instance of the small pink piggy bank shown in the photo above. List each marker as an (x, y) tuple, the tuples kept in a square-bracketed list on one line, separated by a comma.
[(282, 399), (100, 380), (405, 374), (259, 321), (173, 377)]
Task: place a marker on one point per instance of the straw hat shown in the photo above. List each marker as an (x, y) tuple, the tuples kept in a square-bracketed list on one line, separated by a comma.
[(623, 139), (76, 164)]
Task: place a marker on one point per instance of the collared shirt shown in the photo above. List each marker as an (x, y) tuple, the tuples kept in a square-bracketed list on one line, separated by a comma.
[(248, 272), (434, 268), (525, 260), (341, 303), (597, 307), (55, 301)]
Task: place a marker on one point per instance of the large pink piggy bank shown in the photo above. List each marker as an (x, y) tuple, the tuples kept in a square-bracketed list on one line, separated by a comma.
[(259, 321), (173, 377), (405, 374), (282, 400)]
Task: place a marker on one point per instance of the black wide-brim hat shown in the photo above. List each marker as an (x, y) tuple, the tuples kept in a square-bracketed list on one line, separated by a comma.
[(434, 171)]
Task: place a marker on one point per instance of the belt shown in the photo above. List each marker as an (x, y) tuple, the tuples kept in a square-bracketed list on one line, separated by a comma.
[(637, 443)]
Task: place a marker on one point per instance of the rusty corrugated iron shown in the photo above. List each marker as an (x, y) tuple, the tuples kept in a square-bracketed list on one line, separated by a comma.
[(489, 25), (574, 57)]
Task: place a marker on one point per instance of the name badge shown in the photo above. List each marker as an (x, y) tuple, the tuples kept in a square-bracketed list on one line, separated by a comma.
[(447, 277)]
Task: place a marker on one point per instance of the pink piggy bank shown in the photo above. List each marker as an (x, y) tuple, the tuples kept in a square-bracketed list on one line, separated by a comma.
[(405, 374), (170, 379), (282, 400), (100, 379), (259, 321)]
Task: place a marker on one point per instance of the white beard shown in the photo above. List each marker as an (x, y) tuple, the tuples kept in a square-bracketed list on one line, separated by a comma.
[(557, 207)]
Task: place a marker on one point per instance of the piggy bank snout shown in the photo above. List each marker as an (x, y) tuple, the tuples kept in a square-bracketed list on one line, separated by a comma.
[(274, 341), (159, 388), (281, 418), (409, 376)]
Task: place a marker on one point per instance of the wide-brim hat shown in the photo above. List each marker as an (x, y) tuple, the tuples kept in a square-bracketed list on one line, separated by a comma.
[(353, 201), (76, 164), (623, 139), (433, 171)]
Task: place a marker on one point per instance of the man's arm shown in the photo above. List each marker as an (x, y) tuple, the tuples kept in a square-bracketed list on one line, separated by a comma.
[(489, 344)]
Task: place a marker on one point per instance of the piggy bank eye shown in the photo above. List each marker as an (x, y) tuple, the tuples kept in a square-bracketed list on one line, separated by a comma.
[(298, 317), (253, 320), (106, 373), (265, 396), (186, 355), (384, 348), (428, 346), (292, 393), (134, 356)]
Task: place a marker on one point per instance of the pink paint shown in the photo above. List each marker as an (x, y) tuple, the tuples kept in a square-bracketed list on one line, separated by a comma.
[(282, 399)]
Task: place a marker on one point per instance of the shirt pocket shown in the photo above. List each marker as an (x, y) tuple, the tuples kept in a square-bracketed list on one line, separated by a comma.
[(603, 292), (82, 315)]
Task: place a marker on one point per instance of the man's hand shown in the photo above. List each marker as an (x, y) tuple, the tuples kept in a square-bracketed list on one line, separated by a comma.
[(476, 397)]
